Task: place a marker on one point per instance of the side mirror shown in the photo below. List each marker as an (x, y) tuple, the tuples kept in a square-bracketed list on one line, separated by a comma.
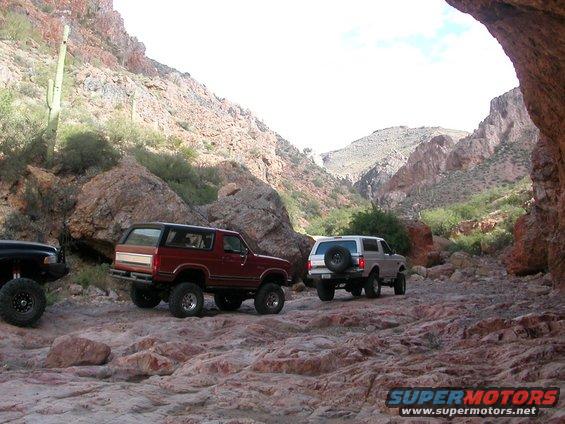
[(244, 251)]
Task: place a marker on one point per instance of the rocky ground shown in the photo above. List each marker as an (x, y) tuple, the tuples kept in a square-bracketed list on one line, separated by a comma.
[(315, 362)]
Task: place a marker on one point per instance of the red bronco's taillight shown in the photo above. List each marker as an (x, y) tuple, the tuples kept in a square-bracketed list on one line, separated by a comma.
[(309, 266), (361, 263), (156, 264)]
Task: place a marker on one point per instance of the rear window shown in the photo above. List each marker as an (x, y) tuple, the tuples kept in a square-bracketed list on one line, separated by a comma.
[(187, 238), (144, 237), (323, 247)]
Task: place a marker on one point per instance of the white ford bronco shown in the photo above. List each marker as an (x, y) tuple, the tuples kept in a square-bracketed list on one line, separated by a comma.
[(355, 263)]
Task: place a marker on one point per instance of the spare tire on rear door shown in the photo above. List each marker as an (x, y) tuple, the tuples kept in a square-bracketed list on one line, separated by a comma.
[(337, 259)]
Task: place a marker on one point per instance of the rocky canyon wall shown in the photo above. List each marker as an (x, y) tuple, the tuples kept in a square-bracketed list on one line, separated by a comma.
[(531, 33)]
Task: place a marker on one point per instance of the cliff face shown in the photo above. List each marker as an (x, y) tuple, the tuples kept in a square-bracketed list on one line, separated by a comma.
[(531, 33), (508, 122), (440, 172), (97, 31), (370, 161), (108, 68)]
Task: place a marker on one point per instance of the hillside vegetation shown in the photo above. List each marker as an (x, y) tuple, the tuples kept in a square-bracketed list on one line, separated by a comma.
[(484, 223)]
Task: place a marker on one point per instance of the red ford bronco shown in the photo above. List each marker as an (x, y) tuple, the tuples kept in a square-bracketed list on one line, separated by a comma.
[(178, 263)]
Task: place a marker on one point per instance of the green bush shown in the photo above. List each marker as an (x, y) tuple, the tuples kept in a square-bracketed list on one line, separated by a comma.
[(95, 275), (441, 220), (335, 223), (477, 242), (194, 185), (20, 136), (122, 132), (376, 222), (83, 149)]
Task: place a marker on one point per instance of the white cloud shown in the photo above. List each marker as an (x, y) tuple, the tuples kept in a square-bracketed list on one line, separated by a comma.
[(322, 73)]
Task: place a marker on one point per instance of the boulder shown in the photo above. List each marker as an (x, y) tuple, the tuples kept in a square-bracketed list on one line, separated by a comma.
[(461, 260), (112, 201), (299, 287), (422, 250), (531, 34), (144, 363), (258, 213), (420, 270), (524, 257), (68, 351), (457, 276), (439, 271), (415, 278), (441, 243), (228, 190)]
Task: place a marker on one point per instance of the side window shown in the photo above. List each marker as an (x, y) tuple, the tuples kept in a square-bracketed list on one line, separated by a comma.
[(232, 244), (144, 237), (386, 248), (370, 245), (189, 239)]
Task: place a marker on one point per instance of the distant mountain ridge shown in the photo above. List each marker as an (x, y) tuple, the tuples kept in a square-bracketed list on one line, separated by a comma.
[(380, 154)]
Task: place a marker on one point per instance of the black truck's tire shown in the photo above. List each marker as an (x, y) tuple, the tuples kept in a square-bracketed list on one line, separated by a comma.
[(22, 302), (373, 285), (400, 284), (326, 291), (337, 259), (269, 299), (186, 300), (144, 298), (356, 291), (227, 302)]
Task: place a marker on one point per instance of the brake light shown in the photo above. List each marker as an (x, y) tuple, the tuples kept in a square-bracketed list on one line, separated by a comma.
[(156, 264), (309, 266), (361, 263)]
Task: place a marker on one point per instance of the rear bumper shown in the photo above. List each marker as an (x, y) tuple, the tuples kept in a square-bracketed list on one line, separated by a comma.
[(138, 278), (329, 276)]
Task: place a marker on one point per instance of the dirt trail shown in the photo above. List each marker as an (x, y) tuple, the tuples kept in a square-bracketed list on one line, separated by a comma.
[(316, 362)]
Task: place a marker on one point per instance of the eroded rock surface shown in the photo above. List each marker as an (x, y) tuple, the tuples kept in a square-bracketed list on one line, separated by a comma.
[(315, 362)]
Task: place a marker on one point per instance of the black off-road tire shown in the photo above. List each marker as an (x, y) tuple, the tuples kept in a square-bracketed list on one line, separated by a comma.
[(186, 300), (227, 302), (400, 284), (326, 291), (337, 259), (373, 286), (356, 291), (22, 302), (144, 298), (269, 299)]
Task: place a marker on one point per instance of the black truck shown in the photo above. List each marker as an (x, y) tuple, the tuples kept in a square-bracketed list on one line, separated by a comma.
[(24, 268)]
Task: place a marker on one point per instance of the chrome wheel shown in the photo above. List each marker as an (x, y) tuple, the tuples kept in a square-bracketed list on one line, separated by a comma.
[(189, 302), (272, 300)]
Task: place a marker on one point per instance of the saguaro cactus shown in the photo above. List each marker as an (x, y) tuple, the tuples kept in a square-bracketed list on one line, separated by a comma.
[(54, 90)]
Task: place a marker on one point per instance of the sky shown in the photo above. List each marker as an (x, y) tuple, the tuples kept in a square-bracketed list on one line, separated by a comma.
[(323, 73)]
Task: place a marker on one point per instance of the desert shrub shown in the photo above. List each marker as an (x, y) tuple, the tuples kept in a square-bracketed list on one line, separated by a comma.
[(195, 186), (95, 275), (20, 136), (17, 27), (122, 132), (477, 242), (17, 223), (376, 222), (335, 223), (82, 149), (441, 220)]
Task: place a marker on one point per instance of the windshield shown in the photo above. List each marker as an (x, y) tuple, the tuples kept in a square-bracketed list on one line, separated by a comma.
[(323, 247)]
